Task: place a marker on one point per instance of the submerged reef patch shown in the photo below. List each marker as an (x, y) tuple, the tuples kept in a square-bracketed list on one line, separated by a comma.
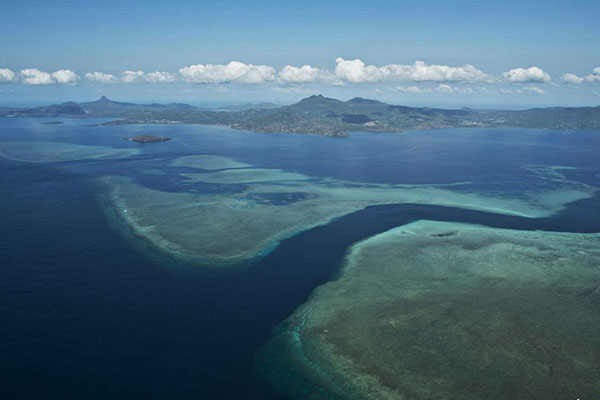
[(269, 205), (246, 175), (279, 199), (58, 151), (208, 162), (418, 314)]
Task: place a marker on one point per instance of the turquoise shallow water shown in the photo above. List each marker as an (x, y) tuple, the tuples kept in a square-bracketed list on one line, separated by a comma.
[(84, 314)]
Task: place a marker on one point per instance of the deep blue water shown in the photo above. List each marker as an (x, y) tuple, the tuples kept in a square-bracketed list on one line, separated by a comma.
[(84, 315)]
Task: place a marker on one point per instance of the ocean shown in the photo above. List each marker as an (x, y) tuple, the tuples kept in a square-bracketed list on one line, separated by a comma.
[(88, 310)]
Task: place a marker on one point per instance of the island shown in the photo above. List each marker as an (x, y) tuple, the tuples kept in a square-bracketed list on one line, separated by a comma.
[(147, 139), (321, 116)]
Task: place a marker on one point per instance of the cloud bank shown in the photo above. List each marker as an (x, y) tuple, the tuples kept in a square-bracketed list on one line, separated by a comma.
[(234, 71), (131, 77), (352, 71), (33, 76), (411, 89), (65, 76), (356, 71), (159, 77), (101, 77), (304, 74), (443, 88), (572, 79), (526, 75), (594, 76), (7, 76), (525, 90)]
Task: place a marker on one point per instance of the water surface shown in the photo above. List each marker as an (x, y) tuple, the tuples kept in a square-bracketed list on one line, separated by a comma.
[(87, 313)]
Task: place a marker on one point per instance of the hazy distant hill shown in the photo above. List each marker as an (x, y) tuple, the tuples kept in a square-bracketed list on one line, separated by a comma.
[(69, 109), (320, 115), (247, 106)]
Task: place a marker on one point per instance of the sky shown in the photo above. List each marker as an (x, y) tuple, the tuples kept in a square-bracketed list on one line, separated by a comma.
[(511, 54)]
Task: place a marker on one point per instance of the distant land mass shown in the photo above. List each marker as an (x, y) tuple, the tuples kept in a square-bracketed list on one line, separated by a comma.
[(320, 115), (147, 139)]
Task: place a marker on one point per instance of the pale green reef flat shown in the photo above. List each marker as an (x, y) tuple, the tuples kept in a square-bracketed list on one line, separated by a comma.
[(275, 204), (250, 175), (58, 151), (434, 310), (208, 162)]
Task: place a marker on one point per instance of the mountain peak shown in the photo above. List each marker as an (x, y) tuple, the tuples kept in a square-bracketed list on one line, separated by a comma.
[(103, 98), (317, 98), (362, 100)]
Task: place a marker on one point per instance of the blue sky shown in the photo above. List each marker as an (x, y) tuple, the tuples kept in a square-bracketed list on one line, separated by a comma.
[(474, 53)]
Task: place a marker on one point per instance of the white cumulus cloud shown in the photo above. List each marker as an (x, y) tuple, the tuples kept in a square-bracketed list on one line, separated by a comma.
[(576, 80), (411, 89), (304, 74), (65, 76), (444, 88), (132, 76), (525, 90), (572, 79), (159, 77), (33, 76), (594, 76), (101, 77), (533, 89), (234, 71), (357, 71), (524, 75), (7, 75)]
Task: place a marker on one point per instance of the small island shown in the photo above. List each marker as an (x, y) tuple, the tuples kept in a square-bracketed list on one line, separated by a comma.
[(147, 139)]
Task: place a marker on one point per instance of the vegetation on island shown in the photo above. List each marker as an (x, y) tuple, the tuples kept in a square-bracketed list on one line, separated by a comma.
[(320, 115), (147, 139)]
